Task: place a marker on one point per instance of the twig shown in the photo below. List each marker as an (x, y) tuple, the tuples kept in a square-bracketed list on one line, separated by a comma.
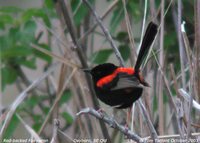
[(102, 17), (187, 97), (56, 101), (161, 60), (111, 122), (150, 50), (173, 136), (180, 114), (59, 58), (107, 34), (175, 80), (169, 92), (55, 131), (30, 130), (149, 123), (65, 135), (180, 41), (187, 49), (197, 45), (143, 22), (21, 97), (69, 22), (130, 33), (50, 30)]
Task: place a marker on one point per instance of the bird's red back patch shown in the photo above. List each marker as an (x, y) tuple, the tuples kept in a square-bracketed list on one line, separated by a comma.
[(107, 79)]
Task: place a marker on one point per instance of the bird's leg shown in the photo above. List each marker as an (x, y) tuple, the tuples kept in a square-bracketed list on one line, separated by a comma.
[(129, 115), (101, 112)]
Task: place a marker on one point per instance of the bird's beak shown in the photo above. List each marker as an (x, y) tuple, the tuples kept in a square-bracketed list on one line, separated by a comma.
[(87, 70)]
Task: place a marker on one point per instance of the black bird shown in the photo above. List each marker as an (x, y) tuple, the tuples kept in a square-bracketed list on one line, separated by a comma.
[(121, 86)]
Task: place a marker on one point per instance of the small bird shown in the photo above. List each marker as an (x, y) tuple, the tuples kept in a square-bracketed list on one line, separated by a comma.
[(121, 86)]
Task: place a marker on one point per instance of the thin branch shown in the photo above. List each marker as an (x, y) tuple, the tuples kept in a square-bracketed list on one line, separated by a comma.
[(169, 93), (149, 123), (30, 130), (161, 60), (174, 136), (112, 5), (55, 131), (187, 97), (67, 137), (111, 122), (130, 33), (106, 32), (150, 50), (197, 45), (59, 95), (21, 97), (187, 49), (143, 22), (71, 27), (180, 41), (56, 57)]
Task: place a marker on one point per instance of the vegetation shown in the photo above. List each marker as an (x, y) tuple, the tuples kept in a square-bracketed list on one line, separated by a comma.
[(60, 38)]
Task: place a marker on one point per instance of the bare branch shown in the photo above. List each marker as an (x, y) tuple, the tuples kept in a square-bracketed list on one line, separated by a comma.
[(55, 131), (187, 97), (111, 122), (21, 97), (107, 34)]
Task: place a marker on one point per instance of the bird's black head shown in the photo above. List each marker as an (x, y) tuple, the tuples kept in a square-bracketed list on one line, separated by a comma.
[(101, 70)]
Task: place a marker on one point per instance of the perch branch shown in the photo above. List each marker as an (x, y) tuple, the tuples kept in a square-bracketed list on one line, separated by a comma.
[(111, 122)]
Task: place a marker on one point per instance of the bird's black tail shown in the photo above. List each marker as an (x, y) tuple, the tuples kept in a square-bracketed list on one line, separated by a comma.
[(146, 43)]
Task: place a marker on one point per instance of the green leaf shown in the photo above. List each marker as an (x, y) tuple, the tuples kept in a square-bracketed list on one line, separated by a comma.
[(30, 27), (29, 63), (32, 101), (65, 97), (17, 51), (134, 9), (36, 126), (125, 51), (5, 18), (46, 110), (27, 15), (2, 25), (117, 17), (4, 43), (11, 127), (101, 56), (38, 121), (41, 55), (10, 9), (81, 10), (14, 36), (9, 76), (68, 118), (122, 36), (28, 32), (49, 4)]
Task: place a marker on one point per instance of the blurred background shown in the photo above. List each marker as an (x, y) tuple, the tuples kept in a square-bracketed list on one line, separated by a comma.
[(37, 36)]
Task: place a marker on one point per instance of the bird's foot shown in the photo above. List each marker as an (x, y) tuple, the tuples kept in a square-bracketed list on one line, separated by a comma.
[(101, 112)]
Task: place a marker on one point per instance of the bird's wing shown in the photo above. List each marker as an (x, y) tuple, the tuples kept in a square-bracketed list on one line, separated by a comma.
[(126, 81)]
